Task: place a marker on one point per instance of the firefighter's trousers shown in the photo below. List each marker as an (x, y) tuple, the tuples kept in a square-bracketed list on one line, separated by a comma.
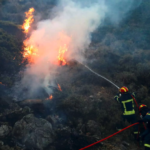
[(146, 138)]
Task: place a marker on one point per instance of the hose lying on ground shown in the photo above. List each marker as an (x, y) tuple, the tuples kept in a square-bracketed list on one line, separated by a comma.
[(109, 136)]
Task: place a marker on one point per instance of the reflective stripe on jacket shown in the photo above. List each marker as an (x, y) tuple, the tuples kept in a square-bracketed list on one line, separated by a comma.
[(127, 103)]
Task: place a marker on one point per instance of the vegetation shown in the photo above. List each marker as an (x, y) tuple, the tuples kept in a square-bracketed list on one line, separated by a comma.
[(10, 57), (120, 53)]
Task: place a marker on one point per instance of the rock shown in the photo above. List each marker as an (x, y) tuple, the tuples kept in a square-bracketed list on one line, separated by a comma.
[(4, 130), (33, 132), (55, 120), (14, 115), (51, 119)]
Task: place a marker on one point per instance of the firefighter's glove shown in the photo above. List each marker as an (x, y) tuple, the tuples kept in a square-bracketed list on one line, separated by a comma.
[(116, 97)]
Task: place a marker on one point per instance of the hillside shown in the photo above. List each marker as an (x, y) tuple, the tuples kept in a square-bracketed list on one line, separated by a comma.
[(84, 110)]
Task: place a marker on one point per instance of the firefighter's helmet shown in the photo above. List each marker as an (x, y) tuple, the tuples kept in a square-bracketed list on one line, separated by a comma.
[(143, 109), (123, 89), (142, 106)]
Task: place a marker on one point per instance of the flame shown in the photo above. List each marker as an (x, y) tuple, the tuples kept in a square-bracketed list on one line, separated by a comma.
[(60, 57), (29, 50), (64, 41), (29, 19), (50, 97), (59, 88), (32, 53)]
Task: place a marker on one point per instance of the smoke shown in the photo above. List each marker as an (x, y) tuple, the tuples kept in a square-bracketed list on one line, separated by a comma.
[(69, 28), (119, 10)]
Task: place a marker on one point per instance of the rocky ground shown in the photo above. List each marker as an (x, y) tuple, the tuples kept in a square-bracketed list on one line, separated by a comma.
[(77, 116)]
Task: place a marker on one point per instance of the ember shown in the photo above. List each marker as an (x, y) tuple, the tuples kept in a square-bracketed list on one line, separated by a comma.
[(59, 88), (50, 97)]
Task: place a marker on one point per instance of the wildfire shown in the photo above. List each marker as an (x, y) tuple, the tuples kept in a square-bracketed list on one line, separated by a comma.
[(29, 50), (59, 88), (60, 57), (29, 19), (50, 97)]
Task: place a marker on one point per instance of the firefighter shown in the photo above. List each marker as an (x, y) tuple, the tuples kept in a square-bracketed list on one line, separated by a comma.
[(145, 115), (127, 103)]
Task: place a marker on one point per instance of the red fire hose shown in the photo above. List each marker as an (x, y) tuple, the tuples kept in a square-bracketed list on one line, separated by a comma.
[(109, 136), (138, 108), (135, 102)]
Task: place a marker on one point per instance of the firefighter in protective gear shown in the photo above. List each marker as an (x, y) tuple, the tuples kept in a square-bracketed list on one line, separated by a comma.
[(145, 136), (127, 104)]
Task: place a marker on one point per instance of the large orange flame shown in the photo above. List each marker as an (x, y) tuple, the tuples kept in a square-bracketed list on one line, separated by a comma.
[(29, 19), (31, 52), (28, 49)]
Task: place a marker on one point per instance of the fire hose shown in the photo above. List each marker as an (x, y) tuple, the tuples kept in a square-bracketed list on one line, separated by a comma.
[(100, 76), (111, 83), (138, 108), (109, 136)]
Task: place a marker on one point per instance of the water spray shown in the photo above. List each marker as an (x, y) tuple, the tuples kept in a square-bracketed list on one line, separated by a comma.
[(100, 75), (117, 88), (111, 83)]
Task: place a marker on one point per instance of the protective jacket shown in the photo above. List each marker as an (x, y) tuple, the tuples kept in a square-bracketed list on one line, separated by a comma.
[(145, 136), (127, 102), (146, 119)]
